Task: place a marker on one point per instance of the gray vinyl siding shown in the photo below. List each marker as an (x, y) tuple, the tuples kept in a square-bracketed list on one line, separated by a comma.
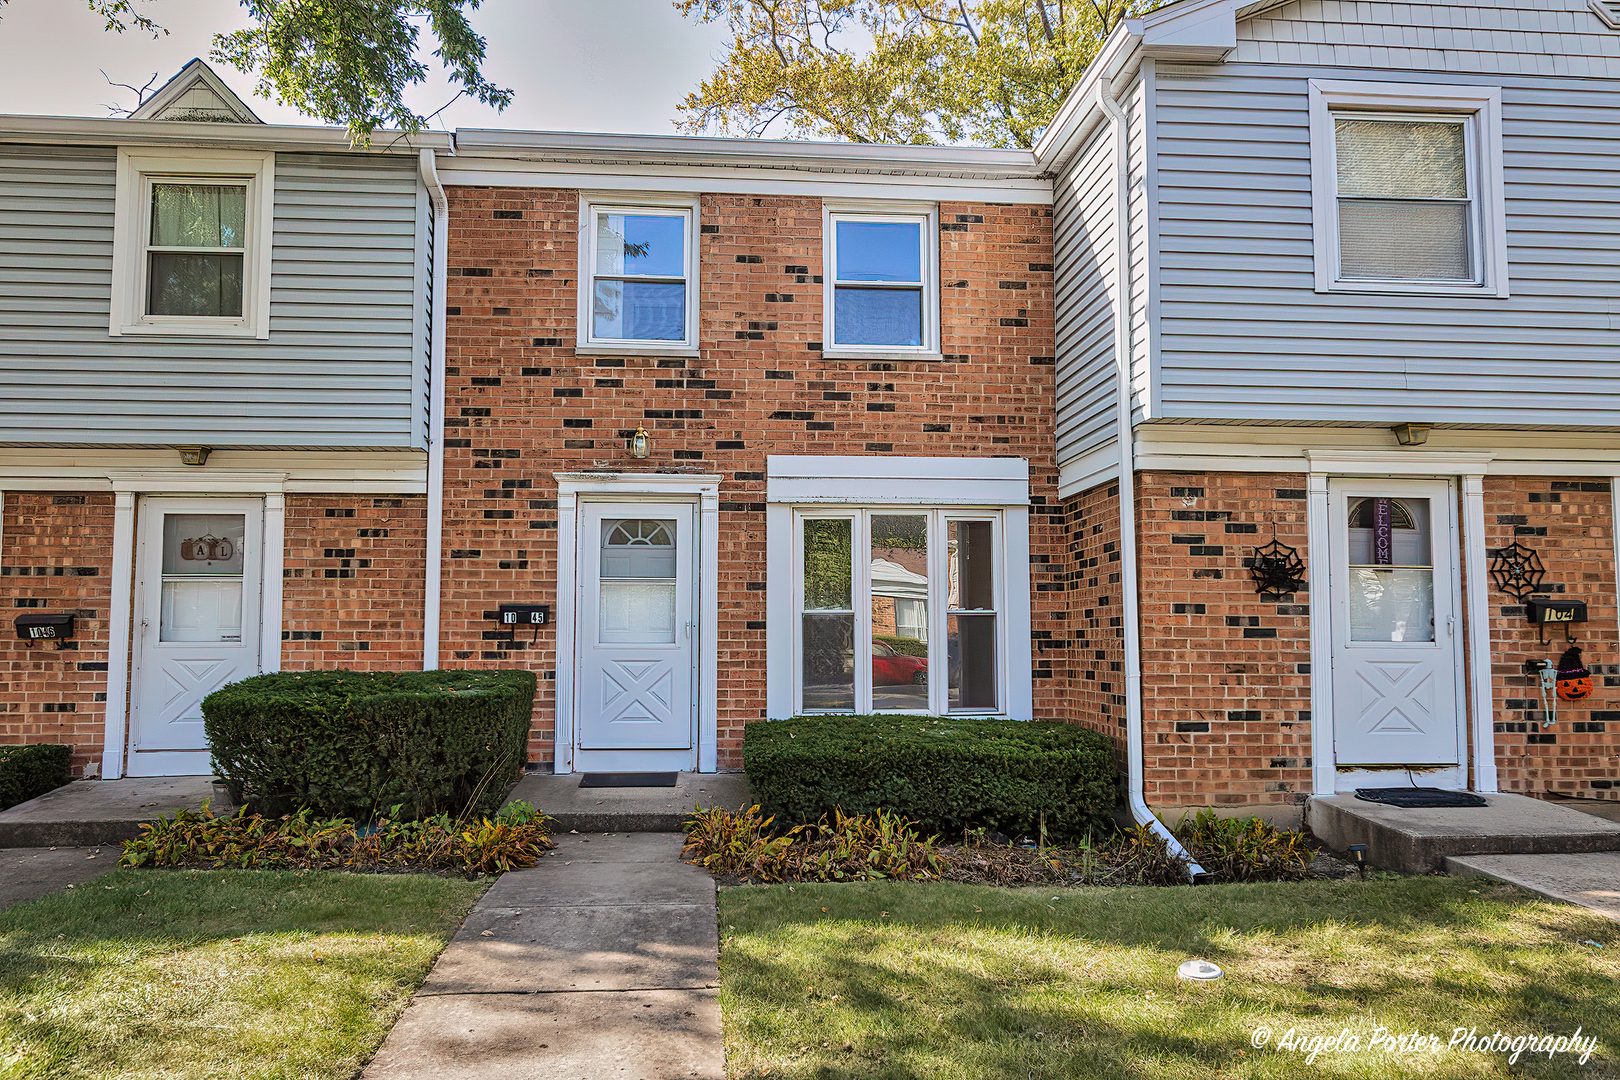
[(1135, 103), (338, 367), (1243, 334), (1083, 235)]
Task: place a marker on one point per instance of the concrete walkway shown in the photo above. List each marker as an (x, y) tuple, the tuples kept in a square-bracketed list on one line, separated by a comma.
[(1591, 880), (599, 964), (29, 873)]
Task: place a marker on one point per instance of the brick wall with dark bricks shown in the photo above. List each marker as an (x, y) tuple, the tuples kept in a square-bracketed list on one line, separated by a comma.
[(1096, 683), (521, 406), (1569, 523), (352, 582), (56, 556), (1225, 669)]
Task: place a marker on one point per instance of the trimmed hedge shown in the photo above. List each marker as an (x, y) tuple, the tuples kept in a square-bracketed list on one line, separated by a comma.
[(27, 772), (356, 744), (946, 774)]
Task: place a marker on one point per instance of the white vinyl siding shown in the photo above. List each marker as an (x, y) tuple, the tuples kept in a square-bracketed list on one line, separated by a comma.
[(1083, 235), (1245, 336), (335, 373)]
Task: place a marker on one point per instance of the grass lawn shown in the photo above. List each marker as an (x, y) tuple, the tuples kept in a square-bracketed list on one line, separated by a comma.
[(891, 980), (224, 973)]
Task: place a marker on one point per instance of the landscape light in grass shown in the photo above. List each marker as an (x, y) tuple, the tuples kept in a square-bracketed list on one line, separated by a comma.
[(1199, 971)]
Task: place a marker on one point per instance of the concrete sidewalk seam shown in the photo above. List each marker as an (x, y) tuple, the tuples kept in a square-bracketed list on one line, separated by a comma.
[(530, 993)]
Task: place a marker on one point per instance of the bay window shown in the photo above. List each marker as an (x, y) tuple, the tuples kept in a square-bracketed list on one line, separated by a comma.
[(899, 610)]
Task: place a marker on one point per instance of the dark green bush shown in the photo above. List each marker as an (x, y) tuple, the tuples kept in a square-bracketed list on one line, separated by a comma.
[(32, 770), (945, 774), (357, 744)]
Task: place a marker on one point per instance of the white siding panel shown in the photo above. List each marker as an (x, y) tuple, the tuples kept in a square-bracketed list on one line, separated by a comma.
[(1244, 335), (338, 370), (1083, 231)]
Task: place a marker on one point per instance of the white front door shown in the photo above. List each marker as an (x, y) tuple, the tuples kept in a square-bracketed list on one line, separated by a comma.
[(635, 696), (1395, 631), (197, 585)]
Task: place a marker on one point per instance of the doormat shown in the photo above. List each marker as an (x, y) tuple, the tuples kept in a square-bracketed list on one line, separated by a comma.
[(1419, 798), (627, 779)]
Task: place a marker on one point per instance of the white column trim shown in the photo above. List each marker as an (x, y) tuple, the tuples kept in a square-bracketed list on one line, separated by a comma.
[(1481, 691), (118, 625), (779, 613), (1016, 622), (1318, 561), (708, 606), (275, 546), (562, 677)]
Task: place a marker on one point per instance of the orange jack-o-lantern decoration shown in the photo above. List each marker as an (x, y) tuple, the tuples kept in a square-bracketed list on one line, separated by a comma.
[(1574, 681)]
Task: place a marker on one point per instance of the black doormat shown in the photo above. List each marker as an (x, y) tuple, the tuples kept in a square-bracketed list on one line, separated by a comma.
[(1419, 798), (627, 779)]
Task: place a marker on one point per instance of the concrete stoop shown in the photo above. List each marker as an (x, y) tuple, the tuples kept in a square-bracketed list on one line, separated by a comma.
[(87, 813), (634, 809), (1420, 841)]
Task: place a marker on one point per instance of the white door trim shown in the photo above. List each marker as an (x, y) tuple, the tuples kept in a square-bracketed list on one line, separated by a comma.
[(705, 488), (119, 614), (1478, 713)]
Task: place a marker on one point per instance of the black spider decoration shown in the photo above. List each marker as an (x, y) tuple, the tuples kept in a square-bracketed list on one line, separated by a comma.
[(1517, 571), (1277, 568)]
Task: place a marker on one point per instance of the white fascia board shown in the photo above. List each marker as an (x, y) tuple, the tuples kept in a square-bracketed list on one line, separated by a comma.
[(1085, 472), (912, 481), (187, 77), (1200, 31), (580, 148), (91, 131)]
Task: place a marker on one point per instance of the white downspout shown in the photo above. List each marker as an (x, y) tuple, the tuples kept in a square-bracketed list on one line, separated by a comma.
[(435, 477), (1128, 577)]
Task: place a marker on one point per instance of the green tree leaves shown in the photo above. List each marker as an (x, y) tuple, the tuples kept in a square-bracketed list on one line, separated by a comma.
[(901, 71)]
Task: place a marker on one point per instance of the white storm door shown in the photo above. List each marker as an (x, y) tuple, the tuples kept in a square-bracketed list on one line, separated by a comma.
[(196, 628), (1395, 631), (637, 630)]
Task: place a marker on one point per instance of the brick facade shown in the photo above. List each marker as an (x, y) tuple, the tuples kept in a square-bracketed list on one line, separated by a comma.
[(1094, 641), (1570, 525), (56, 555), (522, 405), (353, 579)]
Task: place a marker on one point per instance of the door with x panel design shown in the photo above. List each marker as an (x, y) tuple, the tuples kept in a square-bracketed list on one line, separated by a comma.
[(636, 628), (1395, 630)]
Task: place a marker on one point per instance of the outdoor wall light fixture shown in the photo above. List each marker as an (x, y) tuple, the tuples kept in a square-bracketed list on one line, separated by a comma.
[(193, 455), (640, 443), (1412, 434)]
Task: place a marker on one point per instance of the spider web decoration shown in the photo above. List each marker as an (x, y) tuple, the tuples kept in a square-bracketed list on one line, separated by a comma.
[(1277, 568), (1517, 571)]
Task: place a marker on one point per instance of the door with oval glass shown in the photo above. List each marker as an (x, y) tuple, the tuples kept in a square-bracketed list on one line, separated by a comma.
[(1395, 632), (196, 624), (636, 631)]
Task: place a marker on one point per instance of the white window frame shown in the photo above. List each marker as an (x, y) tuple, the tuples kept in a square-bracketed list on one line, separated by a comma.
[(1481, 106), (939, 519), (803, 486), (591, 204), (138, 170), (927, 215)]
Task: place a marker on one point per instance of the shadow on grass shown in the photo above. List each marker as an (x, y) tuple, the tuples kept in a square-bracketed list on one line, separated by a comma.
[(964, 981)]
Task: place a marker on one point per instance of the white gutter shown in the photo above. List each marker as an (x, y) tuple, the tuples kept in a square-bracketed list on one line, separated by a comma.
[(433, 583), (117, 131), (1128, 576)]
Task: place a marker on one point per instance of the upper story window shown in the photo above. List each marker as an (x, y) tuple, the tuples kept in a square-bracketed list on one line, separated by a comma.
[(1407, 189), (192, 244), (638, 276), (881, 282)]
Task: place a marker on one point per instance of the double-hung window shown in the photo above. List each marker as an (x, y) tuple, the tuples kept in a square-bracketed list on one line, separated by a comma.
[(881, 282), (192, 244), (1408, 189), (638, 276), (900, 610)]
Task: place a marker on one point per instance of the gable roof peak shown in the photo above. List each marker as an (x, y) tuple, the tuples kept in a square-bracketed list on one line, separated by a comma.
[(195, 93)]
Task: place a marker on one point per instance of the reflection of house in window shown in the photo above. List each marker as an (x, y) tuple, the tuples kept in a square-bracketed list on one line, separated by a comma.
[(899, 601)]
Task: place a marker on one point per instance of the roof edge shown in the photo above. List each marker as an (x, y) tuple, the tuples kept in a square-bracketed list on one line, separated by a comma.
[(118, 131)]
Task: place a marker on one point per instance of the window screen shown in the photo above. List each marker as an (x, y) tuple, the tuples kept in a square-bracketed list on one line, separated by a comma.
[(1404, 200)]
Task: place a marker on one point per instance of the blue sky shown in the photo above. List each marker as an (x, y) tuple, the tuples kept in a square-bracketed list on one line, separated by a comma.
[(575, 65)]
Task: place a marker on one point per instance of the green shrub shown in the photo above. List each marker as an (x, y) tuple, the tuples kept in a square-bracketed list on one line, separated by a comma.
[(945, 774), (839, 847), (32, 770), (356, 744), (1245, 849)]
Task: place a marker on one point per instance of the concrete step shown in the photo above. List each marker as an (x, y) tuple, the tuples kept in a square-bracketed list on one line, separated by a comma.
[(622, 810), (91, 812), (1420, 841)]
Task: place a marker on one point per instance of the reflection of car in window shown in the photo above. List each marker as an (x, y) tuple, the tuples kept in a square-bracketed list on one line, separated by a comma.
[(891, 668)]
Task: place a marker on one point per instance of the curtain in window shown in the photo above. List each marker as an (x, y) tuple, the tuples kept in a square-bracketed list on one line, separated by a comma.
[(1403, 200)]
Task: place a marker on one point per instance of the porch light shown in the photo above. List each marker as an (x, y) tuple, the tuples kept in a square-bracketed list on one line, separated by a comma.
[(640, 443), (1412, 434), (193, 455)]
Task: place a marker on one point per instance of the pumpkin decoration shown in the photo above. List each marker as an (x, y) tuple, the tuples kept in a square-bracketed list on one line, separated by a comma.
[(1574, 681)]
